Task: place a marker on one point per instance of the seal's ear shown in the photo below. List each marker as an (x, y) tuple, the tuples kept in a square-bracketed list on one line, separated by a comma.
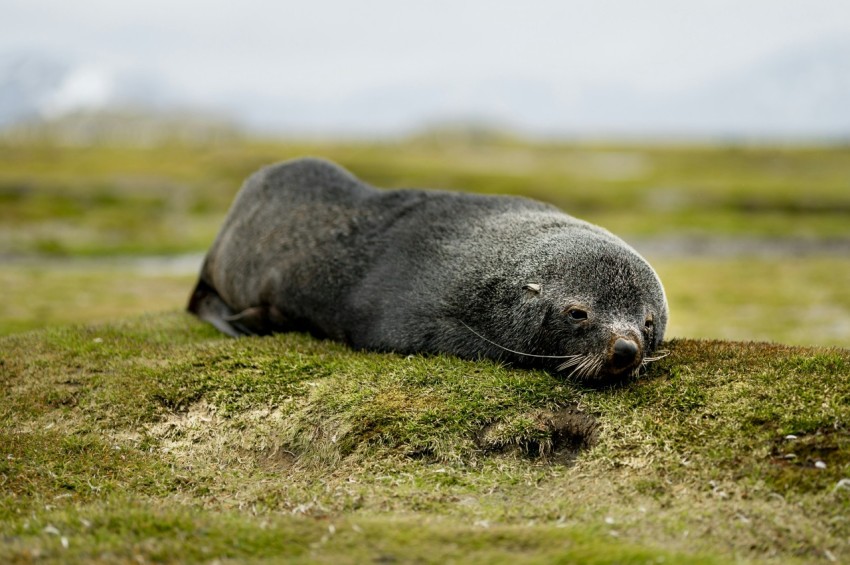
[(533, 288)]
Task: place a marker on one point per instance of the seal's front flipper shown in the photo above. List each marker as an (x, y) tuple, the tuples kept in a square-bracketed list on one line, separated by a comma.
[(207, 305)]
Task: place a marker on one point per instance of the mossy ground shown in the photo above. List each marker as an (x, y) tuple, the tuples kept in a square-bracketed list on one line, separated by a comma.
[(157, 439)]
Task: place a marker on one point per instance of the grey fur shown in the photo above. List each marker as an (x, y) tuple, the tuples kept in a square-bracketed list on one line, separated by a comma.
[(307, 246)]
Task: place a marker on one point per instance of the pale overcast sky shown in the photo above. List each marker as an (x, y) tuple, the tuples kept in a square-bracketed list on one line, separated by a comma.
[(330, 50)]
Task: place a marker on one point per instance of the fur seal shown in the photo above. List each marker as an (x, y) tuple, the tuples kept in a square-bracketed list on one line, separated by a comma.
[(306, 246)]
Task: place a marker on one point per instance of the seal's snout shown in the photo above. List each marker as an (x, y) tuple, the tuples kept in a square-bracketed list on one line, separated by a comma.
[(624, 353)]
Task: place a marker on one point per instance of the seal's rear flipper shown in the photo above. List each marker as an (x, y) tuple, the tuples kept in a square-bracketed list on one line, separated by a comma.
[(252, 321), (207, 305)]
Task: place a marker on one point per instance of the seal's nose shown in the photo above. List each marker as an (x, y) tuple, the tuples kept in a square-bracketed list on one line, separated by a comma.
[(625, 352)]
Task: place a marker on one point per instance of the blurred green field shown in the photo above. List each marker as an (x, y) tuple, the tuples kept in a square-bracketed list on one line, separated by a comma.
[(167, 199), (61, 204)]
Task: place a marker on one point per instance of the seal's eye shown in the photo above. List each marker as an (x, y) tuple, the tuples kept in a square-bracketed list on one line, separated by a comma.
[(577, 314)]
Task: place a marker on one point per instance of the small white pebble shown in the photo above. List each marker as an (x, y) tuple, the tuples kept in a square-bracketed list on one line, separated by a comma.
[(331, 529), (790, 456), (51, 529), (830, 555), (482, 524), (64, 541), (98, 340), (790, 436), (843, 483), (820, 464), (609, 520)]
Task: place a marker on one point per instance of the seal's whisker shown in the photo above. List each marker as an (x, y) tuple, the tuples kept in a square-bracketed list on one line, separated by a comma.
[(599, 362), (662, 355), (578, 368), (491, 342), (586, 364), (576, 364), (647, 360), (570, 362), (586, 367)]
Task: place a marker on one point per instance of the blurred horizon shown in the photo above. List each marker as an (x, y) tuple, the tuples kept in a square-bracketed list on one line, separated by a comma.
[(706, 70)]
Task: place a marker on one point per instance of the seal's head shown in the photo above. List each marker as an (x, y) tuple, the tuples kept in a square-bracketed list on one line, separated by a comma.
[(587, 306), (604, 311)]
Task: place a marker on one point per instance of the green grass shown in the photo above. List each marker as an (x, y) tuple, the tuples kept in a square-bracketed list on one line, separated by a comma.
[(167, 199), (40, 294), (156, 438), (793, 300)]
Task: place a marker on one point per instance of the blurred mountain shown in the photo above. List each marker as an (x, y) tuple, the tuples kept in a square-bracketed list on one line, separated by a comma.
[(44, 98), (800, 93), (136, 127), (26, 83), (34, 85)]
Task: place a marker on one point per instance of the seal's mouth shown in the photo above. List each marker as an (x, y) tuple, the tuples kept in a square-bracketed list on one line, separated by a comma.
[(623, 357)]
